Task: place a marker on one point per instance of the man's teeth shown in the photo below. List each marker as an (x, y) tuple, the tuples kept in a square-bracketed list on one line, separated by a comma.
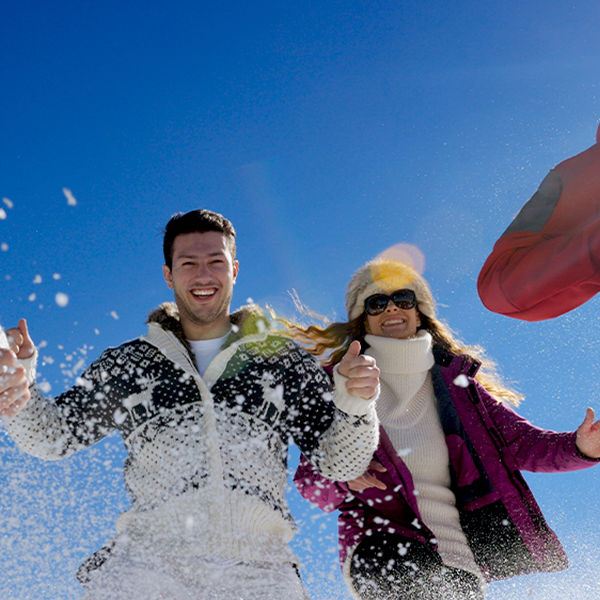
[(203, 292)]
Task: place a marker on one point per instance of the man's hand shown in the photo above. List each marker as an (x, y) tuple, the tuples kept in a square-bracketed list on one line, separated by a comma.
[(588, 436), (366, 480), (19, 340), (361, 371), (14, 389)]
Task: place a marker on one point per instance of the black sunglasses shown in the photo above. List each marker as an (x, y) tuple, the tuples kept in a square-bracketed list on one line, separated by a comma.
[(376, 304)]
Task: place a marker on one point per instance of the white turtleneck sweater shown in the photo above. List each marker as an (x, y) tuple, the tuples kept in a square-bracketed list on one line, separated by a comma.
[(407, 409)]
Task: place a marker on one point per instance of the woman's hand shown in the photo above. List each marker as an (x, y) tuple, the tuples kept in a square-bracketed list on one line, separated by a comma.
[(588, 436), (366, 480)]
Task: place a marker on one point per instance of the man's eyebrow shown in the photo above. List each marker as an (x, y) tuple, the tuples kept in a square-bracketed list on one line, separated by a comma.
[(216, 253)]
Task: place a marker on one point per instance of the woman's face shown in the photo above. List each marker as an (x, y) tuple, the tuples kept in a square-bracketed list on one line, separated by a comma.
[(394, 322)]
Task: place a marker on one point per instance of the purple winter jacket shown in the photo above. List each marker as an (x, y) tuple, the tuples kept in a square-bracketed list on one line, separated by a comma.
[(489, 445)]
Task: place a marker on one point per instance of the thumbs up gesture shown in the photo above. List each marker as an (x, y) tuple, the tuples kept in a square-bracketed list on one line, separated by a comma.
[(361, 371), (19, 340)]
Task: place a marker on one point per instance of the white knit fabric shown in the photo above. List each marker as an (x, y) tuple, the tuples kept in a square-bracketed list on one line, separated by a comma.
[(3, 340), (408, 412), (135, 576), (207, 456)]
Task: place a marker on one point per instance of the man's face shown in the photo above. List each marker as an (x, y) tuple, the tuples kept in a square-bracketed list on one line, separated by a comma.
[(202, 278)]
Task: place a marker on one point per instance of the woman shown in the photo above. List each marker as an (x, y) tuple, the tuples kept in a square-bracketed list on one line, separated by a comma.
[(448, 508)]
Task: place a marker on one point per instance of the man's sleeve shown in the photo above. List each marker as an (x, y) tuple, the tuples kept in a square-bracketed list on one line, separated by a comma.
[(340, 442), (54, 428), (548, 260)]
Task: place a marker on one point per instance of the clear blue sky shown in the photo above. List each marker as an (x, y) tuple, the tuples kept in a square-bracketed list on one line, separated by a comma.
[(326, 131)]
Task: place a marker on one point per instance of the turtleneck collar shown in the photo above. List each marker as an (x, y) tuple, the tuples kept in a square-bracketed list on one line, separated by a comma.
[(402, 357)]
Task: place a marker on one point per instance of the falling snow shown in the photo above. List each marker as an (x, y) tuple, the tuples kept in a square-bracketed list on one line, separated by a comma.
[(461, 381), (44, 386), (71, 201), (61, 299)]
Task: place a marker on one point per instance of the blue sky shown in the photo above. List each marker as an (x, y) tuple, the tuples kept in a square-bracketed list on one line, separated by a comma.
[(327, 131)]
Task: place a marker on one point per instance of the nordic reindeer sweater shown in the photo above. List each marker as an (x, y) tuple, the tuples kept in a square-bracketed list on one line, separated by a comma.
[(207, 461)]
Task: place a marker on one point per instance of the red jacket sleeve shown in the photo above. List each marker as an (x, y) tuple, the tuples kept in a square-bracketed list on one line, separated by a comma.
[(548, 260)]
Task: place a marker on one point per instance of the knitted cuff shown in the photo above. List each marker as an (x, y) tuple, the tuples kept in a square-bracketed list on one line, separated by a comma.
[(30, 365), (351, 405)]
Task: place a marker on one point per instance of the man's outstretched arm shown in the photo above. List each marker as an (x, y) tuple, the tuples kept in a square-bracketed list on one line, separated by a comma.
[(337, 429), (54, 428)]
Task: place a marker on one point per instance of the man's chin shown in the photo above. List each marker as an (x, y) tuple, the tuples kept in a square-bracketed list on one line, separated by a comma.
[(208, 317), (202, 316)]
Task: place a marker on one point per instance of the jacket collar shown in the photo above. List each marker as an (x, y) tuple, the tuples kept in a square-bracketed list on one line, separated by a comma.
[(464, 363), (247, 320)]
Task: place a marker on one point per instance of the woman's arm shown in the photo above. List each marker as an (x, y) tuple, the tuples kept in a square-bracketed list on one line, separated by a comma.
[(326, 494), (536, 449)]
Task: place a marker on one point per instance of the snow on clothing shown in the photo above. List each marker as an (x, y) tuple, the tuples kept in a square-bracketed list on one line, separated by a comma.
[(143, 579), (548, 260), (407, 410), (488, 445), (206, 469)]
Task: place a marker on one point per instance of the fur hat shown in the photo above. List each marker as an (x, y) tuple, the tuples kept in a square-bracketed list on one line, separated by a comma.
[(385, 276)]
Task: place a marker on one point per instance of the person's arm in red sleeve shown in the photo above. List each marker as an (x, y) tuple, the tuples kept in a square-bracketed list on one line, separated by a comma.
[(548, 260)]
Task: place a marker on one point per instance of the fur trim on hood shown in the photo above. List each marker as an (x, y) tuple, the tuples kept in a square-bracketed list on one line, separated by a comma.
[(246, 320)]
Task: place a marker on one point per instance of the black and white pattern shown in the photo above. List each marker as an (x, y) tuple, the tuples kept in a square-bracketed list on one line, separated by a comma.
[(206, 469)]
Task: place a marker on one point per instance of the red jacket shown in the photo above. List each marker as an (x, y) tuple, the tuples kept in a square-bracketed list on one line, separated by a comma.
[(548, 260)]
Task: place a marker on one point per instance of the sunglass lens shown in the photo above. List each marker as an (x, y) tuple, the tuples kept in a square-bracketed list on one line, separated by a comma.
[(375, 305), (404, 299)]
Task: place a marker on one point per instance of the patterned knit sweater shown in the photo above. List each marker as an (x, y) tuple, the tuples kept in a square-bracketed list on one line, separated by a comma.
[(207, 460)]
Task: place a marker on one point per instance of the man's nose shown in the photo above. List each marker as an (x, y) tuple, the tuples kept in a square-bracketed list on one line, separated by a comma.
[(203, 271)]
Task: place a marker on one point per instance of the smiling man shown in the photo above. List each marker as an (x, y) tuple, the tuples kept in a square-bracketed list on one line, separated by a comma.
[(206, 402)]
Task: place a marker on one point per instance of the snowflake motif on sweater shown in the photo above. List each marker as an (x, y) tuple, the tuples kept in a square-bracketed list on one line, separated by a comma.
[(207, 457)]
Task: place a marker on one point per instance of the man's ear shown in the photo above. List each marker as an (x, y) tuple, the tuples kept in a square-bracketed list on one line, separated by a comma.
[(236, 269), (168, 276)]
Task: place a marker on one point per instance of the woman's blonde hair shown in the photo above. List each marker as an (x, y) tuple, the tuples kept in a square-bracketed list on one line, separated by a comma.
[(331, 342)]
